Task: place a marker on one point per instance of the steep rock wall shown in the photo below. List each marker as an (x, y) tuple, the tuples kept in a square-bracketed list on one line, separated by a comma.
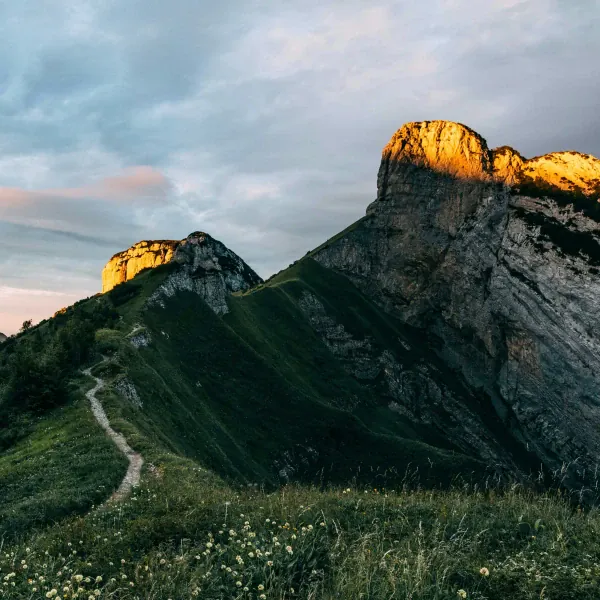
[(509, 284), (208, 268), (143, 255)]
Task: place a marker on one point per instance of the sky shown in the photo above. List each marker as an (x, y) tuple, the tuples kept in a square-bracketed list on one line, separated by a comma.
[(259, 122)]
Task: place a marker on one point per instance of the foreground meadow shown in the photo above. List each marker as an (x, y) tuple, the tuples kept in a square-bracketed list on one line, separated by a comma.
[(185, 534)]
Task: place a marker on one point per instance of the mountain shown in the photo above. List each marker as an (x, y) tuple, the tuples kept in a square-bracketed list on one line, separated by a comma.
[(504, 276), (206, 362), (449, 330), (356, 418), (253, 374), (3, 337)]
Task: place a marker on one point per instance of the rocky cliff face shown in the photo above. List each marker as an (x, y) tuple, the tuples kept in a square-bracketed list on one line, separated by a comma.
[(457, 150), (566, 170), (416, 386), (504, 286), (143, 255), (3, 338), (449, 148), (205, 266), (507, 164), (208, 268)]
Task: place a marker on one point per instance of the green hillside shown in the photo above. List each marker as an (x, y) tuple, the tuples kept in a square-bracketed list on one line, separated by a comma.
[(254, 422), (255, 396)]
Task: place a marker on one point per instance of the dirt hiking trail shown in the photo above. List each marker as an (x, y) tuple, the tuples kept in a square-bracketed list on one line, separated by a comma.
[(132, 477)]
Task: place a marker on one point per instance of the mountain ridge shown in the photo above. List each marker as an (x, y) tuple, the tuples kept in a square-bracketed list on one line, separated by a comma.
[(447, 334), (418, 262)]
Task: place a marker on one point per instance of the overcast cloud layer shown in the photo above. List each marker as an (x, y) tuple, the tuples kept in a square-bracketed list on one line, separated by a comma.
[(259, 122)]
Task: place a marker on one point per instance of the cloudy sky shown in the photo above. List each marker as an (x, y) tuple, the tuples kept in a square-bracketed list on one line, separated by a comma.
[(259, 122)]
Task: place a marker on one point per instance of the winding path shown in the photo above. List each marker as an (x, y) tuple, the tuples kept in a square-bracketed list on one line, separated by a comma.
[(132, 477)]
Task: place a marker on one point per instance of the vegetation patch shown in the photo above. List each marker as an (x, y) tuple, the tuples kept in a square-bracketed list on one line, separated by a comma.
[(184, 534), (63, 466), (587, 203)]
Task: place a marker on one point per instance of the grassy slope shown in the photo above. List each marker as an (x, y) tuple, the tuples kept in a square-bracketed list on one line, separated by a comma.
[(239, 393), (58, 462), (63, 466), (266, 381), (271, 322), (179, 537)]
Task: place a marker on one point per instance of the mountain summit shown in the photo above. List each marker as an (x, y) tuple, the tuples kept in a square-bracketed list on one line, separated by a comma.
[(198, 251), (457, 150)]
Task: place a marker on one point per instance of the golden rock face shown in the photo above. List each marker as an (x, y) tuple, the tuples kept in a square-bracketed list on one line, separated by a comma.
[(565, 170), (444, 146), (457, 150), (127, 264), (508, 164)]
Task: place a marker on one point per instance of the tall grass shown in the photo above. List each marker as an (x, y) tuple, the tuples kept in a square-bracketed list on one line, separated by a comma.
[(185, 534)]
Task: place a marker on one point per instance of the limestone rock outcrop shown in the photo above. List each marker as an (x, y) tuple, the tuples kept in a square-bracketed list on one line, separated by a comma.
[(205, 266), (444, 146), (143, 255), (566, 170), (504, 287), (455, 149), (507, 164), (208, 268)]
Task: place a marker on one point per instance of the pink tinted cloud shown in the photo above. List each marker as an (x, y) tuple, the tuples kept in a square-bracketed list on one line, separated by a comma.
[(139, 182), (135, 180)]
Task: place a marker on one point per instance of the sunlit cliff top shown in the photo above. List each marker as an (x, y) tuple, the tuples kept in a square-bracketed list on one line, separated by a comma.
[(458, 150)]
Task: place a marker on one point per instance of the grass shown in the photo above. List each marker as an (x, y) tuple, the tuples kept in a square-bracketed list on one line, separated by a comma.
[(185, 534), (63, 466)]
